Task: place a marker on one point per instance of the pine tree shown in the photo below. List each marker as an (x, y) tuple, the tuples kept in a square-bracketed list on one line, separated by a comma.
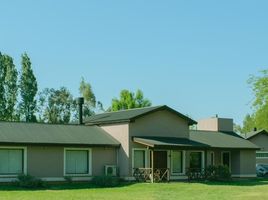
[(28, 90)]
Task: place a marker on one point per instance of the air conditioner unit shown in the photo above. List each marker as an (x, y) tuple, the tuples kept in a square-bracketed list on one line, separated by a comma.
[(110, 170)]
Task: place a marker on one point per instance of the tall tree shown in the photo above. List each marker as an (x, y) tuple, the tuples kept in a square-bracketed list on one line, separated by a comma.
[(129, 100), (55, 105), (2, 89), (28, 90), (86, 91), (248, 124), (259, 118), (8, 88)]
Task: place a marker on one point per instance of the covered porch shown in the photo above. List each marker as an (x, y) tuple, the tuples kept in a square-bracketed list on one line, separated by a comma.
[(168, 158)]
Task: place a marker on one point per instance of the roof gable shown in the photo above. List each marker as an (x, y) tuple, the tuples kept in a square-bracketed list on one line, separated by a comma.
[(131, 115), (255, 133)]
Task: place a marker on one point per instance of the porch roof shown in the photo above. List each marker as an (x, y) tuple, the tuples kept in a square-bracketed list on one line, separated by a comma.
[(199, 140), (168, 142), (217, 139)]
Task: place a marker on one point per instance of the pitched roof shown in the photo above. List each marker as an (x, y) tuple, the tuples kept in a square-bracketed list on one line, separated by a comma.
[(221, 139), (131, 115), (51, 134), (198, 140), (254, 133)]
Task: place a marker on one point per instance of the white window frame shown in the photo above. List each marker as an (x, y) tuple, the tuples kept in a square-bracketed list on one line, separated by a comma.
[(261, 152), (202, 157), (24, 159), (212, 153), (145, 154), (89, 161), (230, 160), (183, 163)]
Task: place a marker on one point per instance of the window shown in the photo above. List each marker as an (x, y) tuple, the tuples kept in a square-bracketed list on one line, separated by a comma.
[(211, 158), (177, 162), (260, 154), (139, 158), (77, 161), (196, 160), (11, 161), (226, 159)]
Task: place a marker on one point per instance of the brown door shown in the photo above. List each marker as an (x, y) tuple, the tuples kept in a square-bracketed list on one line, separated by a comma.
[(160, 159)]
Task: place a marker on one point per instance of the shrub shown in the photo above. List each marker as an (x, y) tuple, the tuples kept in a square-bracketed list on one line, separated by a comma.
[(68, 179), (211, 173), (106, 181), (28, 181), (218, 173)]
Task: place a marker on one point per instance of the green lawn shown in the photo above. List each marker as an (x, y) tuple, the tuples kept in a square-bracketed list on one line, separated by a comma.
[(256, 189)]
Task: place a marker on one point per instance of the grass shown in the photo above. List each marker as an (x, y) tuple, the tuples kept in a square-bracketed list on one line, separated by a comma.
[(246, 190)]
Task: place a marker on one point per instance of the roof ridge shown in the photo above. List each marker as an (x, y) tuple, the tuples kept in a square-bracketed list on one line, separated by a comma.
[(39, 123), (131, 109)]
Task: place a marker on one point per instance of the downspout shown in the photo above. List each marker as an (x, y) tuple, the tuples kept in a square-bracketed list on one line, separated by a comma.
[(117, 160), (152, 179)]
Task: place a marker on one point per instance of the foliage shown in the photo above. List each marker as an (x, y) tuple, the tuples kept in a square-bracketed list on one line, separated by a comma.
[(258, 119), (28, 90), (8, 88), (211, 173), (129, 100), (68, 179), (86, 91), (218, 173), (106, 181), (28, 181), (55, 105)]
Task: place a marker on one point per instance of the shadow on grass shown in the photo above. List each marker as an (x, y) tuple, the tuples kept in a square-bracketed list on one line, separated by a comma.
[(62, 186), (248, 182), (84, 185)]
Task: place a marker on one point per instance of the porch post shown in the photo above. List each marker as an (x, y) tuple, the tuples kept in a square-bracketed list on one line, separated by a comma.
[(152, 163)]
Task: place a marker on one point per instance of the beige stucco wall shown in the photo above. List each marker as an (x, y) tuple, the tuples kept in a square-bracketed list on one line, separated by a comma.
[(235, 162), (247, 162), (121, 133), (102, 157), (162, 124), (260, 140), (45, 161), (48, 161)]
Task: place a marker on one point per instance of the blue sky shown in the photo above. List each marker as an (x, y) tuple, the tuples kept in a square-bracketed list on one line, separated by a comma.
[(194, 56)]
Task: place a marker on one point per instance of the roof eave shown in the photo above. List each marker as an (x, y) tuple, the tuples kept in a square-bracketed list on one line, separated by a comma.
[(107, 122), (59, 144)]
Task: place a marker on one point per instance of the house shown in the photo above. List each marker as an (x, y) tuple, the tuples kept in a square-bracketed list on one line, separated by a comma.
[(153, 140), (159, 138), (259, 138)]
